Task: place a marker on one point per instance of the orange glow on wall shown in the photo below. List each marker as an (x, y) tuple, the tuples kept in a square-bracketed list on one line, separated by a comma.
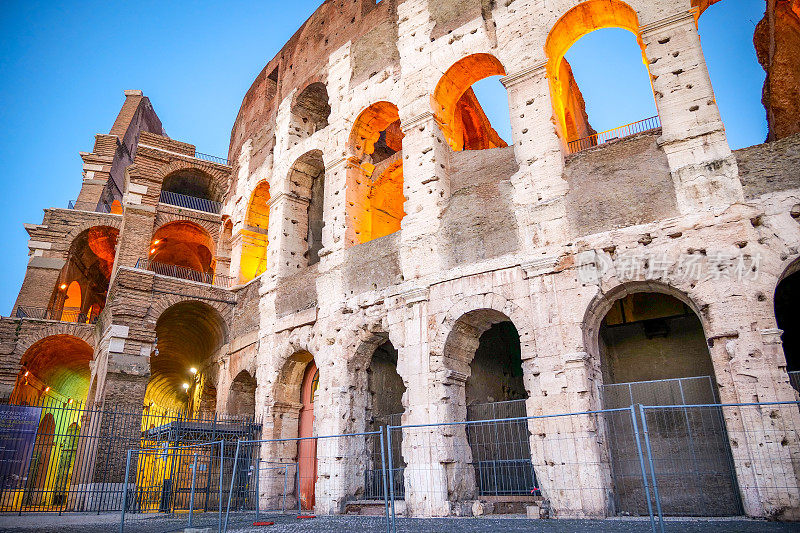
[(254, 235), (184, 244), (72, 304), (386, 202), (458, 113), (584, 18)]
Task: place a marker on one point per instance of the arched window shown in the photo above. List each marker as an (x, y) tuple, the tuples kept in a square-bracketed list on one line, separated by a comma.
[(307, 181), (375, 184), (192, 189), (310, 112), (254, 235), (586, 93), (464, 123)]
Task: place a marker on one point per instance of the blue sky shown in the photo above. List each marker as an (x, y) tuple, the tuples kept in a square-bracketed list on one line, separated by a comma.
[(63, 69)]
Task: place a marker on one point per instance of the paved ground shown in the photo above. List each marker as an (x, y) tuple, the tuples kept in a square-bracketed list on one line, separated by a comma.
[(90, 523)]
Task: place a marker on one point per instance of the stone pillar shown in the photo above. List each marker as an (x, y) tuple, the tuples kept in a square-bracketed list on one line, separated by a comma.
[(539, 186), (336, 234), (288, 242), (136, 233), (693, 136), (427, 190), (236, 255), (749, 367)]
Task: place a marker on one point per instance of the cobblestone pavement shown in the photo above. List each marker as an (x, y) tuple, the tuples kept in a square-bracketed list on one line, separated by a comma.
[(91, 523)]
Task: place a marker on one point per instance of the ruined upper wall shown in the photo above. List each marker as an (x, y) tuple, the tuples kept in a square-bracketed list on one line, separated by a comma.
[(371, 27)]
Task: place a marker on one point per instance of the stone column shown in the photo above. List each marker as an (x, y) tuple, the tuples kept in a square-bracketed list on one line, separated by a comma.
[(136, 233), (288, 242), (693, 136), (427, 190), (336, 235), (236, 255), (539, 186)]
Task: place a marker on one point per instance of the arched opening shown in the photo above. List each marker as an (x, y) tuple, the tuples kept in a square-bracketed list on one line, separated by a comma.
[(310, 112), (242, 396), (293, 417), (484, 347), (787, 294), (375, 178), (72, 303), (183, 250), (727, 33), (193, 189), (653, 351), (83, 284), (54, 370), (599, 89), (459, 114), (307, 181), (189, 337), (36, 489), (254, 235), (384, 408), (116, 207)]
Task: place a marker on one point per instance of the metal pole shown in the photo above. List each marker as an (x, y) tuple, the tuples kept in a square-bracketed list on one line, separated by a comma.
[(285, 483), (125, 493), (221, 465), (391, 473), (644, 470), (652, 468), (191, 491), (258, 492), (297, 477), (384, 478), (233, 477)]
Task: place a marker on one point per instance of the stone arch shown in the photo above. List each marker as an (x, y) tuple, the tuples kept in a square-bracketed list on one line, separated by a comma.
[(458, 113), (184, 244), (374, 192), (213, 180), (55, 364), (190, 334), (112, 222), (80, 331), (306, 181), (310, 111), (578, 21), (242, 395)]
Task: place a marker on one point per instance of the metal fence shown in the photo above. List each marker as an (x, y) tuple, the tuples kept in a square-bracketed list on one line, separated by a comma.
[(614, 134), (286, 479), (180, 482), (61, 456), (66, 314), (175, 271), (190, 202), (212, 158), (677, 391)]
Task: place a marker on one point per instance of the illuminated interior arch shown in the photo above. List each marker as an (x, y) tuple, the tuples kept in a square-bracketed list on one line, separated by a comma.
[(183, 244), (80, 293), (188, 335), (375, 176), (464, 124), (582, 19), (55, 367), (254, 234)]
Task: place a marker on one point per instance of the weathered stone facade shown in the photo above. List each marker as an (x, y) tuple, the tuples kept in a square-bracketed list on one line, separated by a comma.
[(528, 234)]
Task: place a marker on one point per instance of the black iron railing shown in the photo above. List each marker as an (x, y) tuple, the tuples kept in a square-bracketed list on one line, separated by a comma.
[(175, 271), (67, 314), (212, 158), (612, 135), (190, 202)]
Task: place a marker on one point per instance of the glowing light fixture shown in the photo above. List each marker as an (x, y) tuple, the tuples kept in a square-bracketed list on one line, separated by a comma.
[(69, 401), (156, 241), (63, 286), (193, 370), (27, 372), (185, 386), (152, 250), (47, 389)]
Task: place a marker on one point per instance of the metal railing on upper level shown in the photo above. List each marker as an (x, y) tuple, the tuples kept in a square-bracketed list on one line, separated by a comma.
[(627, 130), (212, 158), (67, 314), (175, 271), (190, 202)]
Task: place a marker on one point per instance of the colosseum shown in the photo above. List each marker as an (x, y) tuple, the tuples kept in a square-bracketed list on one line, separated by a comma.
[(372, 253)]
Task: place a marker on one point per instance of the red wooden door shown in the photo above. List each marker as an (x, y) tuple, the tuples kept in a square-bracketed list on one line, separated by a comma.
[(307, 449)]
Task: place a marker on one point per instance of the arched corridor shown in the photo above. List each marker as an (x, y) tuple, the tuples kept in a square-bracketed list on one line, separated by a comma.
[(254, 235)]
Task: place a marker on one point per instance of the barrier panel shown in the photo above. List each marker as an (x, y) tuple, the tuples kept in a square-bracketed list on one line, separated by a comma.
[(285, 480)]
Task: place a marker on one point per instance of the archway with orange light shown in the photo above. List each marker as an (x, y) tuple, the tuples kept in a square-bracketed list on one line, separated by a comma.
[(375, 174), (255, 234), (82, 287), (460, 116), (184, 245)]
